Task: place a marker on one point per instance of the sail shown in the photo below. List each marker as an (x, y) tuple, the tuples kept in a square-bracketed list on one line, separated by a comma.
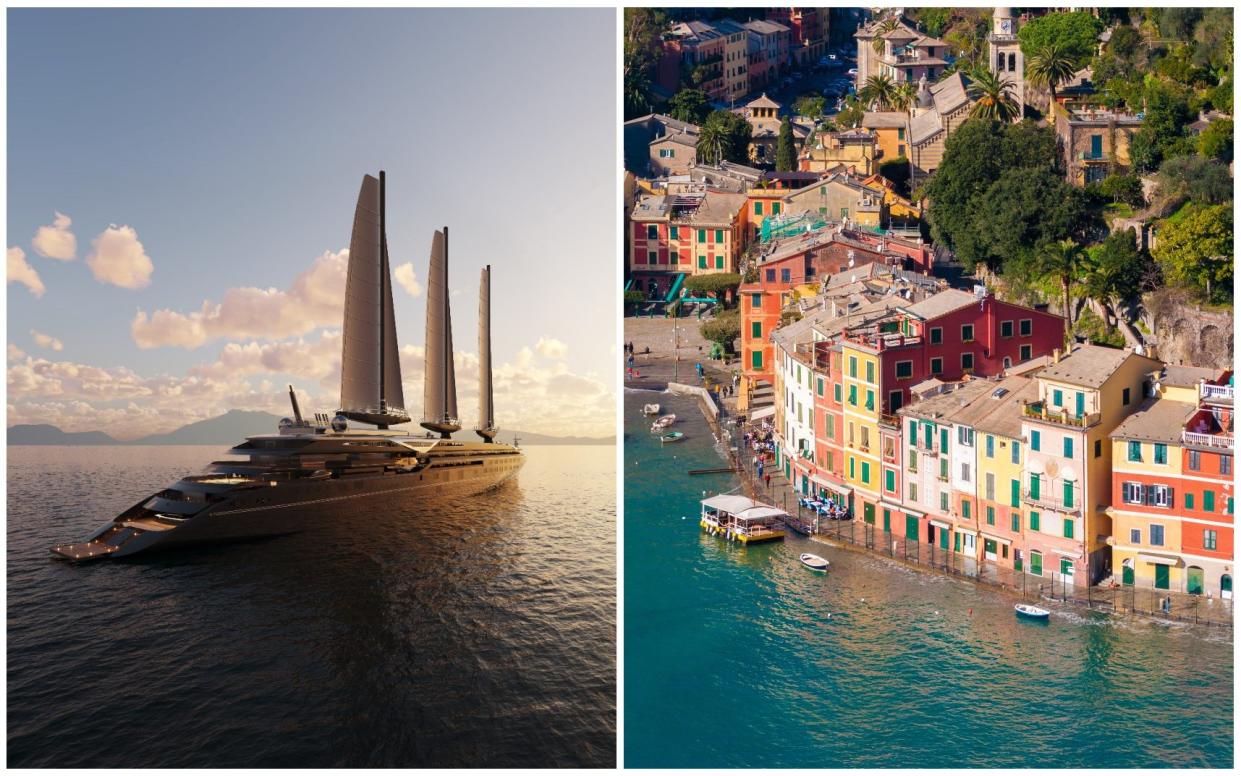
[(450, 365), (359, 362), (394, 393), (439, 397), (486, 411)]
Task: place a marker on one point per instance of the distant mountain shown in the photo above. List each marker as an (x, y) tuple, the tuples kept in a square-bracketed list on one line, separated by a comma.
[(43, 434), (232, 427)]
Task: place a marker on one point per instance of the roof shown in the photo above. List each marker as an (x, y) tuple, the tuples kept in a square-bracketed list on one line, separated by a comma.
[(942, 406), (941, 304), (1186, 376), (730, 503), (762, 101), (1090, 366), (764, 27), (1006, 409), (949, 94), (924, 126), (883, 119), (1156, 420)]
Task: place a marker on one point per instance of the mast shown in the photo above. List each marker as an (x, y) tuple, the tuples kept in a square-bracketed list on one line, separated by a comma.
[(383, 285), (486, 410)]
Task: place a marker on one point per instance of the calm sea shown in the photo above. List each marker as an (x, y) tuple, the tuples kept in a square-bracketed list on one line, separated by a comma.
[(484, 634), (742, 657)]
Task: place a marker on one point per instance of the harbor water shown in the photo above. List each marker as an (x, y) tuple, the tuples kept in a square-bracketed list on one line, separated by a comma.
[(480, 633), (741, 656)]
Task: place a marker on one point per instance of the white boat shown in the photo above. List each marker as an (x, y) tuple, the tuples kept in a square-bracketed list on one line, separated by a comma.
[(674, 436), (1033, 612), (663, 422), (814, 561), (650, 409)]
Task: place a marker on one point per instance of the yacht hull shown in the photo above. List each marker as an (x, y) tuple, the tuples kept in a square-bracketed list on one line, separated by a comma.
[(289, 508)]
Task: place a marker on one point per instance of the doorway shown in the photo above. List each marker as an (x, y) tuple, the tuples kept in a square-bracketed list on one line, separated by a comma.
[(1126, 572), (1161, 576)]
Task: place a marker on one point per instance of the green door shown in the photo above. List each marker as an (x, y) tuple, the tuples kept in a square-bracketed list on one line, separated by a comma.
[(1126, 575), (1193, 582), (1161, 576), (887, 521), (911, 528), (956, 541), (868, 513), (1036, 564), (943, 539)]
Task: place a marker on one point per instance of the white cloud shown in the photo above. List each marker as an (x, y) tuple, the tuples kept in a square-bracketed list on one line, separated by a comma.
[(551, 348), (16, 353), (20, 271), (118, 258), (56, 241), (315, 299), (406, 278), (46, 341)]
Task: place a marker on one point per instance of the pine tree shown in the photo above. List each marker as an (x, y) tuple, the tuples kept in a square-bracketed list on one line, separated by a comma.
[(786, 154)]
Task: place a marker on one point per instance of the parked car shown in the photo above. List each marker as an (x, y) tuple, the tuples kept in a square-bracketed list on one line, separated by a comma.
[(852, 71)]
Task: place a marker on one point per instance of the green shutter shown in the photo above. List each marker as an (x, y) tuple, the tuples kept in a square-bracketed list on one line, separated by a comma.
[(865, 473), (990, 515), (1068, 447), (1068, 494), (965, 510), (1034, 440), (756, 329), (702, 235), (756, 359), (1034, 521), (1016, 523), (1208, 501), (758, 208), (1035, 483), (1036, 564), (911, 528), (719, 262), (890, 481), (1015, 493), (1068, 528), (943, 440), (719, 235), (913, 433), (702, 262)]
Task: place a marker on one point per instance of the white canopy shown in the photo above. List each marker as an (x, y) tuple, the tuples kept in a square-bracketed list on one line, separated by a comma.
[(760, 512), (730, 503), (764, 412)]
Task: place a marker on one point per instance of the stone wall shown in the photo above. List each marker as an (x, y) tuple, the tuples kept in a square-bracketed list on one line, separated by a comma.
[(1186, 333)]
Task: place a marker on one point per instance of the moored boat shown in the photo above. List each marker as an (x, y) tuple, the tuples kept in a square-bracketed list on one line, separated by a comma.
[(814, 561), (650, 409), (663, 422), (672, 436), (1032, 612), (741, 519)]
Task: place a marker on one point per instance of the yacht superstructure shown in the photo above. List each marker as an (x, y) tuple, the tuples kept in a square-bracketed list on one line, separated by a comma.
[(311, 469)]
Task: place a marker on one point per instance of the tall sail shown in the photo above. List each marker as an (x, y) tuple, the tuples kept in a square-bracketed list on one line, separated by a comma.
[(367, 374), (486, 409), (439, 397)]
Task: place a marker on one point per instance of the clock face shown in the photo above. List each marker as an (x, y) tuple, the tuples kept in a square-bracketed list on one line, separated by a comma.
[(1006, 26)]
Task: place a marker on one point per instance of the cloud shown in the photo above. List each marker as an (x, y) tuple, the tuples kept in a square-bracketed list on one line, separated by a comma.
[(46, 341), (406, 278), (119, 259), (551, 348), (20, 271), (16, 353), (56, 241), (315, 299)]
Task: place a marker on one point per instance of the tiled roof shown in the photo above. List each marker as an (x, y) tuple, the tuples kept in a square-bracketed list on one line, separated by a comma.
[(942, 303), (1157, 420), (883, 119), (1090, 366), (943, 406), (1186, 376), (949, 94), (1005, 410), (924, 126)]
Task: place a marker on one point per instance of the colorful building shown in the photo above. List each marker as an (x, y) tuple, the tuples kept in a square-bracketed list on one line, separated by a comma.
[(855, 149), (672, 236), (1094, 141), (808, 29)]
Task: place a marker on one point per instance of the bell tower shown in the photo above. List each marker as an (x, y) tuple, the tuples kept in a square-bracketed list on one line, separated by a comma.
[(1006, 60)]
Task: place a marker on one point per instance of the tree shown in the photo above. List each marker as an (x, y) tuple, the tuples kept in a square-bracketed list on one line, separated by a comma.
[(1126, 189), (690, 105), (810, 105), (724, 328), (1167, 114), (1178, 21), (1193, 179), (725, 136), (715, 283), (1195, 251), (1215, 142), (885, 26), (994, 97), (1022, 211), (1063, 259), (786, 154), (896, 170), (643, 46), (879, 90), (850, 113), (1077, 33), (1114, 269), (1050, 66)]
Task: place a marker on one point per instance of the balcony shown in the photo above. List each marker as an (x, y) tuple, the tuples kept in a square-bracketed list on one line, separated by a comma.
[(889, 420), (1216, 393), (1221, 440), (882, 342), (1091, 156), (1045, 501), (1037, 410)]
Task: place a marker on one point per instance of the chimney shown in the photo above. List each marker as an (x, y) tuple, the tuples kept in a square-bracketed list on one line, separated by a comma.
[(1055, 356)]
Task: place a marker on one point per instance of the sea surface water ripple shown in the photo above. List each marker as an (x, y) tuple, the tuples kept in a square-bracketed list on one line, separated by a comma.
[(480, 633)]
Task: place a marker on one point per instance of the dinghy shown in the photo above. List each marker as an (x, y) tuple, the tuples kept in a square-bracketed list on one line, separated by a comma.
[(650, 409), (663, 422), (814, 562), (675, 436), (1033, 612)]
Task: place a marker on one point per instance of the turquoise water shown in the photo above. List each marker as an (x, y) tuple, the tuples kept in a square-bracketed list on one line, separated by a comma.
[(731, 658)]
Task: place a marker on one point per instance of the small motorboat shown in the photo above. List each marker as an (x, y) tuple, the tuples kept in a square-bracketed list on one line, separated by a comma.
[(674, 436), (663, 422), (814, 562), (650, 409), (1033, 612)]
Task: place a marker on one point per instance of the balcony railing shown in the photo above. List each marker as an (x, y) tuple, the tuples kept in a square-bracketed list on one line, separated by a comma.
[(1216, 392), (1046, 501), (887, 419), (1223, 440), (881, 342), (1040, 411)]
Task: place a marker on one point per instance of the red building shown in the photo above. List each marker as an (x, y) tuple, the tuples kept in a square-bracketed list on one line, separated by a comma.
[(807, 31)]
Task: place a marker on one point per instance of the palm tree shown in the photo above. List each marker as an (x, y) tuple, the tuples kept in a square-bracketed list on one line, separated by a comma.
[(1050, 66), (711, 140), (885, 26), (993, 97), (1064, 259), (880, 90), (905, 99)]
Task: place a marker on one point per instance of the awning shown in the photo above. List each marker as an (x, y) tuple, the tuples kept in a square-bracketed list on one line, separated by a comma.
[(966, 532), (995, 538), (941, 524), (763, 412), (843, 490), (898, 508), (730, 503), (1167, 560)]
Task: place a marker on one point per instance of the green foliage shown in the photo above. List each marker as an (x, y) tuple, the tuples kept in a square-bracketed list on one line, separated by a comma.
[(1178, 21), (1193, 179), (1215, 142), (712, 284), (851, 113), (725, 136), (786, 153), (812, 105), (690, 105), (1077, 33), (643, 46), (1195, 252), (1213, 39), (897, 171), (1050, 66), (879, 91), (1167, 114), (934, 20), (993, 97), (1220, 97), (1095, 329), (1123, 188), (1022, 211), (968, 37), (634, 296), (723, 328), (1125, 43), (1115, 269), (1062, 259)]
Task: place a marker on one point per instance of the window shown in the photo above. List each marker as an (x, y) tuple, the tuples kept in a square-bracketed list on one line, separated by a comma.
[(1135, 535), (1066, 565), (756, 359), (1036, 563), (937, 366), (1034, 440), (1161, 453), (785, 275), (853, 366), (651, 257), (1135, 451), (895, 400), (990, 515), (1098, 448), (965, 435), (1036, 483), (900, 133), (1016, 452), (702, 235), (967, 361), (1208, 501), (1026, 353), (965, 509), (1189, 501), (889, 481), (1068, 494), (853, 395), (990, 486), (775, 208), (852, 467), (1034, 521), (1068, 447), (865, 473), (1225, 464), (1016, 522), (836, 392), (758, 208), (943, 441), (967, 332), (702, 262), (1057, 397), (719, 262), (830, 426), (1124, 397), (943, 468), (937, 335), (1208, 540), (913, 492), (771, 276), (674, 233), (1014, 493), (943, 501), (1160, 496), (1012, 63), (965, 472), (1195, 461), (870, 400), (990, 446), (1025, 326), (870, 371), (819, 386), (1131, 492), (719, 235), (1156, 535), (1006, 329), (1068, 528), (844, 214), (652, 232), (756, 300)]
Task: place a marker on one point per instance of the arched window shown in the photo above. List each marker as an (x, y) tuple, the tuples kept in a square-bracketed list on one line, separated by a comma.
[(1193, 581), (1126, 572)]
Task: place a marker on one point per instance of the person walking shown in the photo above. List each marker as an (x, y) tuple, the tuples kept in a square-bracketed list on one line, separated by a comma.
[(767, 480)]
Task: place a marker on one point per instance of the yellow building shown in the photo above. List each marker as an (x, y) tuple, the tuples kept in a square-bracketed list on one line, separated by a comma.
[(860, 385), (889, 128), (840, 198), (1000, 456), (1094, 141), (855, 148)]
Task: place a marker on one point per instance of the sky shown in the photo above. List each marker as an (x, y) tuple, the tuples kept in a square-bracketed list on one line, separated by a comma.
[(181, 190)]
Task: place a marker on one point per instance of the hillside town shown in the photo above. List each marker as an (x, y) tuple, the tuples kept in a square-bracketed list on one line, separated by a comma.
[(967, 273)]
